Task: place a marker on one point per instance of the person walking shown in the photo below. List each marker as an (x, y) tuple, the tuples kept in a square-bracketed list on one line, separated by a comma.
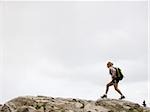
[(114, 81)]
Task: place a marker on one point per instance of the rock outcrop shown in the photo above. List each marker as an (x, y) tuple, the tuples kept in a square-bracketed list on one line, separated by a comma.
[(50, 104)]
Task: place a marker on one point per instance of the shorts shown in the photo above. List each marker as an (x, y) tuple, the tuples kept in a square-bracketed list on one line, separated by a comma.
[(116, 80)]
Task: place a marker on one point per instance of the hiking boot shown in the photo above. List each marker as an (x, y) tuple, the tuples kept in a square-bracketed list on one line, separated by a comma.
[(122, 97), (104, 96)]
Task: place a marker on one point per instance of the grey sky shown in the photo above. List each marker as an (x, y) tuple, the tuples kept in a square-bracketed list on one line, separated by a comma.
[(61, 48)]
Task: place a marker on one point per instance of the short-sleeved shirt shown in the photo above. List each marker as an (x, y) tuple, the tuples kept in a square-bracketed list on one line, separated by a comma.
[(112, 72)]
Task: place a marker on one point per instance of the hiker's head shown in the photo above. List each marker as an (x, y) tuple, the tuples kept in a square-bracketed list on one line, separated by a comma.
[(109, 64)]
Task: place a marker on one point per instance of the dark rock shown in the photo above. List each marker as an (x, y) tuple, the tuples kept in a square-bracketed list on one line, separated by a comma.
[(6, 108)]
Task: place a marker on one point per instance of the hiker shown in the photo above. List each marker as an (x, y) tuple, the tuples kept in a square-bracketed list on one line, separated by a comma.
[(114, 81)]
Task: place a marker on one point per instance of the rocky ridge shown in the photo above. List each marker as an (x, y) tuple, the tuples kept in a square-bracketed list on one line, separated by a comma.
[(50, 104)]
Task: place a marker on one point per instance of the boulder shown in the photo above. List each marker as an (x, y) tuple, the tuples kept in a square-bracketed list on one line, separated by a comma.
[(50, 104)]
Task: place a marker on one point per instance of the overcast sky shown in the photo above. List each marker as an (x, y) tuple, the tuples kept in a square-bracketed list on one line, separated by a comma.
[(60, 49)]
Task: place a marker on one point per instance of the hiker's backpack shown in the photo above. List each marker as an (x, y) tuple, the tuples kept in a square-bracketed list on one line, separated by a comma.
[(119, 73)]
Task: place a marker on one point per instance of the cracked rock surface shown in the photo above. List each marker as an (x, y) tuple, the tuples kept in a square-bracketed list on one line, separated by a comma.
[(50, 104)]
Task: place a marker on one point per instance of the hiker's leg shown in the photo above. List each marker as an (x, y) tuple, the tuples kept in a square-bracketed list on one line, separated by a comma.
[(107, 86), (116, 88)]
